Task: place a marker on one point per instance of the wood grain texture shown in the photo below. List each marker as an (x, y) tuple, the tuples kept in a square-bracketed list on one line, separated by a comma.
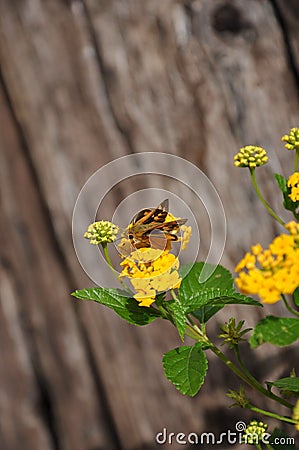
[(85, 82)]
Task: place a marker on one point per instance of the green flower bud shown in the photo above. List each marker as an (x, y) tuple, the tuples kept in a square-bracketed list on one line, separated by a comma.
[(239, 397), (102, 232), (232, 334)]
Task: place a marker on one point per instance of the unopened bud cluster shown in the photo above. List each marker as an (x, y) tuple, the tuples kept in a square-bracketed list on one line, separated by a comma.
[(254, 432), (232, 333), (250, 156), (291, 139), (102, 232)]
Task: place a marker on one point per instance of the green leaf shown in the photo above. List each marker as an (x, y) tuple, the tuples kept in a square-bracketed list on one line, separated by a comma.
[(279, 440), (186, 368), (204, 313), (282, 182), (216, 291), (278, 331), (218, 297), (191, 285), (193, 274), (179, 316), (296, 296), (126, 307), (287, 384), (288, 203)]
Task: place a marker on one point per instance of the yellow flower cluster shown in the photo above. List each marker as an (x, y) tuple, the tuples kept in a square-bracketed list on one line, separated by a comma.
[(291, 139), (274, 271), (292, 227), (250, 156), (151, 271), (293, 183)]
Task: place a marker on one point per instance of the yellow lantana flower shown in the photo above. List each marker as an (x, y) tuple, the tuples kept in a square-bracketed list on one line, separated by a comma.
[(292, 227), (293, 183), (151, 271), (274, 271)]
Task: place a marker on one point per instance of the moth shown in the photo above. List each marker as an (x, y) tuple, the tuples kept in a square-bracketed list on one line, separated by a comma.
[(149, 228)]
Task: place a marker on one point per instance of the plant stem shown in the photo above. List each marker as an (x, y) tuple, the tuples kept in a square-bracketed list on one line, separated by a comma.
[(266, 205), (270, 414), (115, 273), (198, 335), (191, 333), (296, 160), (258, 385), (259, 447), (289, 308), (252, 382), (163, 310), (229, 364)]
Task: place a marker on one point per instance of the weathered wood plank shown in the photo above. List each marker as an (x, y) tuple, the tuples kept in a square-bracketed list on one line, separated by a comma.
[(54, 349), (288, 16), (20, 404)]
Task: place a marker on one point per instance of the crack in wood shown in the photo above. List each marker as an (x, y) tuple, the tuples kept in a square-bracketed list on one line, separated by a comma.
[(44, 396), (287, 41), (105, 75), (44, 392)]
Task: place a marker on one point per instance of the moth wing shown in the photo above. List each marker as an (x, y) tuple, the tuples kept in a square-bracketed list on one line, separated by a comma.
[(167, 226), (149, 215), (164, 205), (158, 240), (142, 216), (179, 222), (124, 247)]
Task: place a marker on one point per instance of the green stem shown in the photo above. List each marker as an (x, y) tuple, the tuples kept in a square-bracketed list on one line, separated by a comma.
[(222, 357), (270, 414), (289, 308), (190, 320), (191, 333), (259, 447), (258, 385), (163, 310), (174, 296), (115, 273), (252, 382), (266, 205), (296, 160), (230, 364)]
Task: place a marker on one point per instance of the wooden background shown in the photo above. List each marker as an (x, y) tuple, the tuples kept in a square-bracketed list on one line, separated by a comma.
[(82, 83)]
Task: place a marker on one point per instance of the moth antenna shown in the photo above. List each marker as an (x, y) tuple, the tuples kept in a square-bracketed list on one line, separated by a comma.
[(164, 205)]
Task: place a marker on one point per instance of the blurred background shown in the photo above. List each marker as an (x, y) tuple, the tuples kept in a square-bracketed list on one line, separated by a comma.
[(83, 82)]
